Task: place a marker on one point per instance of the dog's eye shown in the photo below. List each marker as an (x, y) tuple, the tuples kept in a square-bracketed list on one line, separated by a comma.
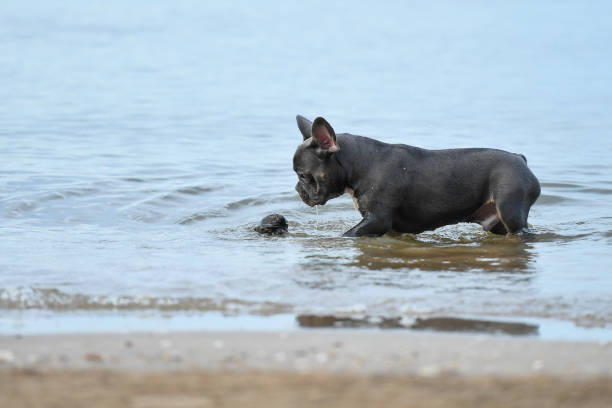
[(305, 177)]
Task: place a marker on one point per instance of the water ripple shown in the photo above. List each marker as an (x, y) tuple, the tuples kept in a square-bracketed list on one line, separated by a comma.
[(54, 299), (200, 216)]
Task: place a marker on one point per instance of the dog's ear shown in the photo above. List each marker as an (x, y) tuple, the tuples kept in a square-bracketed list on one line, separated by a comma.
[(323, 136), (304, 125)]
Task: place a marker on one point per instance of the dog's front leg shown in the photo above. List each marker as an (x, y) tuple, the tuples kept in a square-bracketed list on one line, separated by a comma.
[(372, 225)]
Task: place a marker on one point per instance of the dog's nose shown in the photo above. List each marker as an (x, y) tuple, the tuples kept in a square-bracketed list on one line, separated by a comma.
[(302, 192)]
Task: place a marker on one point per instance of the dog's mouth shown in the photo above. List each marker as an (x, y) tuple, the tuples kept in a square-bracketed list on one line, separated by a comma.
[(308, 199), (312, 203)]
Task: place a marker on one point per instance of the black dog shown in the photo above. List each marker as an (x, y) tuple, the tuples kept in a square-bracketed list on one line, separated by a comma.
[(402, 188)]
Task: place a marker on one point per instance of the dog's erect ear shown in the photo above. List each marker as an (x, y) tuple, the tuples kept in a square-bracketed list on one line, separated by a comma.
[(304, 125), (323, 135)]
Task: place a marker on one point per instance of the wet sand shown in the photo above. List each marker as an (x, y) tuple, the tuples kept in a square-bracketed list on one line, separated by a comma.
[(68, 389), (303, 368)]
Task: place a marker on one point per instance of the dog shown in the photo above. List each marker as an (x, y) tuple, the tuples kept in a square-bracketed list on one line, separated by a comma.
[(407, 189)]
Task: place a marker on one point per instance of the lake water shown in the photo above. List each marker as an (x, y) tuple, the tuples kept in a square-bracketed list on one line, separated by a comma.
[(141, 142)]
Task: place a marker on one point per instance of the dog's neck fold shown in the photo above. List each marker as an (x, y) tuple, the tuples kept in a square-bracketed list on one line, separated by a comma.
[(352, 172)]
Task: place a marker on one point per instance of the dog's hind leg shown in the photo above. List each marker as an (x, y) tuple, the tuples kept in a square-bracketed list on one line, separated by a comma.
[(514, 192), (512, 210), (499, 229), (486, 215)]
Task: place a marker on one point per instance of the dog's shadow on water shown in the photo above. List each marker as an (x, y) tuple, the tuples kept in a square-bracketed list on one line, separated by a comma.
[(449, 249), (452, 248), (456, 248)]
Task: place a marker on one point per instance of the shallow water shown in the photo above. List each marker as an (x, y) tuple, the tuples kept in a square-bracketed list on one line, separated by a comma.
[(141, 143)]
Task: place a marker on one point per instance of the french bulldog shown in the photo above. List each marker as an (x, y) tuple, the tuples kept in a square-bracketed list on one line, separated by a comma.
[(407, 189)]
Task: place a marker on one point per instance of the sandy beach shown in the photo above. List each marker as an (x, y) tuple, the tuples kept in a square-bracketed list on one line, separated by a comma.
[(302, 368)]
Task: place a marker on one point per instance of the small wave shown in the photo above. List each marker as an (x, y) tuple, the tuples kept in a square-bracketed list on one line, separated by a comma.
[(133, 180), (269, 199), (54, 299), (549, 199), (603, 191), (19, 207), (543, 235), (231, 206), (76, 192), (246, 202), (171, 197), (148, 217), (561, 185), (157, 179), (162, 200), (196, 190), (461, 233), (200, 216)]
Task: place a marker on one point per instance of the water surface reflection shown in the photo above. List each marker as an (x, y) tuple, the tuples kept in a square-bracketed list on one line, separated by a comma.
[(436, 252)]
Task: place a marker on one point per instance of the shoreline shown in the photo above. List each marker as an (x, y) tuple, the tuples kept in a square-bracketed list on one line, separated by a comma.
[(317, 350), (37, 322)]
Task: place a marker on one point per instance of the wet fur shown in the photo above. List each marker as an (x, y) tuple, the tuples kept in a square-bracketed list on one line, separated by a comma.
[(408, 189)]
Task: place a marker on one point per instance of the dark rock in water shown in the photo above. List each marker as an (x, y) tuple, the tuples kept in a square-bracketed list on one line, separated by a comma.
[(272, 224), (471, 325), (435, 323), (306, 320)]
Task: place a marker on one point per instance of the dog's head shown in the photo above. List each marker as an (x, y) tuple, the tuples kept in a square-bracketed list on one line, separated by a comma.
[(320, 176)]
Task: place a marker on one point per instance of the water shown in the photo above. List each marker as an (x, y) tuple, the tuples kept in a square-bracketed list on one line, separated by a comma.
[(141, 143)]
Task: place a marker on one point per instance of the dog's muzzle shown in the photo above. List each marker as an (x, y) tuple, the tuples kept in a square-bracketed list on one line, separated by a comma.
[(304, 195)]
